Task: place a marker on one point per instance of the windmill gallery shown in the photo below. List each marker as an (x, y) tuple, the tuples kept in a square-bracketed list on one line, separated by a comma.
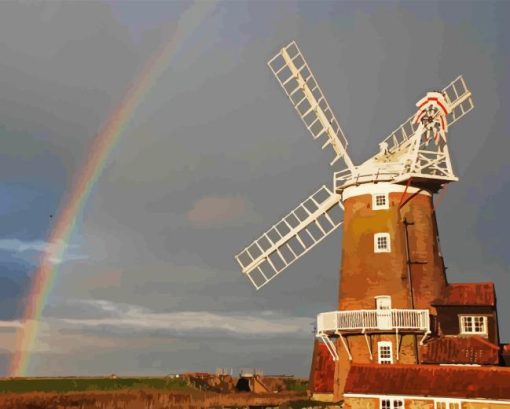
[(402, 335)]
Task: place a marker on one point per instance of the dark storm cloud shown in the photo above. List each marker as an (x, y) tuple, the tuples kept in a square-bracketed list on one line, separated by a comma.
[(215, 154), (61, 73), (14, 282)]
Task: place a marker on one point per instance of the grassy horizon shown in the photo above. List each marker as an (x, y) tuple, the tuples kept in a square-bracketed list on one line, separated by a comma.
[(77, 384)]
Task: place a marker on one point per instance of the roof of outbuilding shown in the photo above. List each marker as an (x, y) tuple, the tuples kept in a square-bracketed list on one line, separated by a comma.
[(460, 350), (468, 294), (430, 380)]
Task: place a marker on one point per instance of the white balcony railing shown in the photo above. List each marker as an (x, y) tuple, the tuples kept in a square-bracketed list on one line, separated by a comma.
[(329, 323), (343, 179)]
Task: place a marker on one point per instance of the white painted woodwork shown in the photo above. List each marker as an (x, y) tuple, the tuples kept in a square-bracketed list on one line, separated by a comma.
[(403, 155), (292, 237), (329, 323), (297, 80)]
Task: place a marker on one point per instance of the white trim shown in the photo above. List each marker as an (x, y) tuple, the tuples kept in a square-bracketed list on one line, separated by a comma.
[(377, 249), (463, 328), (330, 323), (385, 205), (380, 188), (379, 298), (380, 345), (392, 402), (422, 397), (449, 403)]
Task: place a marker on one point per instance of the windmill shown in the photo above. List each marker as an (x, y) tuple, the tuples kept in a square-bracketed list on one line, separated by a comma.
[(390, 251)]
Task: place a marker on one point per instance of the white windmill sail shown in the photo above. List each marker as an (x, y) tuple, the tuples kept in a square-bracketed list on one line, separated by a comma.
[(292, 72), (432, 160), (460, 97), (460, 102), (406, 155), (292, 237), (321, 213)]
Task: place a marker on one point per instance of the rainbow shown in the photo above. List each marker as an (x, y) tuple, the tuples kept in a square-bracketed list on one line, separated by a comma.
[(102, 146)]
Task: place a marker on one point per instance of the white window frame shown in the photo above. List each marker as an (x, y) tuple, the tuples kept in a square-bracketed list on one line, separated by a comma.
[(462, 325), (376, 206), (376, 244), (380, 345), (429, 399), (383, 302), (444, 403), (392, 403)]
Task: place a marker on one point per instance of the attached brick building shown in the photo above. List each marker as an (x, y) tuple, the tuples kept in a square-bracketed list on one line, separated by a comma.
[(461, 363), (427, 387), (468, 309)]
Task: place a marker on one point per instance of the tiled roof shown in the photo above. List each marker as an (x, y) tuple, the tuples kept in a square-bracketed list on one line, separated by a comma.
[(430, 380), (460, 350), (468, 294)]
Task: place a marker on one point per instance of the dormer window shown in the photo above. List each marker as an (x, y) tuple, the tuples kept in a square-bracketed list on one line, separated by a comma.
[(380, 201), (473, 325)]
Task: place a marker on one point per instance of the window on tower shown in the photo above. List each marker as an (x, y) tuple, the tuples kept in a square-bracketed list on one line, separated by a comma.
[(380, 201), (382, 243), (383, 302), (385, 352)]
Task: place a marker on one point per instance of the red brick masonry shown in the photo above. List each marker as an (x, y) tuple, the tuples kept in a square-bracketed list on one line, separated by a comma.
[(323, 370)]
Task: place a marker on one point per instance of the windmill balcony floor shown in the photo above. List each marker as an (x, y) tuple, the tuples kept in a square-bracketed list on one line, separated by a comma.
[(367, 321)]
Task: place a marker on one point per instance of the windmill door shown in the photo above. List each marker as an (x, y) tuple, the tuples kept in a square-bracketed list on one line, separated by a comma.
[(383, 311)]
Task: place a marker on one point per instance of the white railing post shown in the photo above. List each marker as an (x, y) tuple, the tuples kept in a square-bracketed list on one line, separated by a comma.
[(367, 320)]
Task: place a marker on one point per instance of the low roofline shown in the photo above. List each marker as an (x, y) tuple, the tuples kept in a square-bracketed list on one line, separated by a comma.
[(420, 397), (453, 337), (428, 380), (422, 366), (450, 300)]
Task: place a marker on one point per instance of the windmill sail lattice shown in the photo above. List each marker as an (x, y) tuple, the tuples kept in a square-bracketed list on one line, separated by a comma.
[(404, 155), (292, 237), (460, 100), (294, 75), (407, 155)]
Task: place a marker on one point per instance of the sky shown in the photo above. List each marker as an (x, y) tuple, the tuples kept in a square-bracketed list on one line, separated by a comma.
[(213, 155)]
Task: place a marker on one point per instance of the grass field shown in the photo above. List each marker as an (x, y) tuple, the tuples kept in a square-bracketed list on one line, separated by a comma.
[(297, 385), (141, 393), (24, 385)]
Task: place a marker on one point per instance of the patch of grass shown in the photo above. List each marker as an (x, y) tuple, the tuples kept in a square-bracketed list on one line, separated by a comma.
[(297, 385), (88, 384), (307, 404)]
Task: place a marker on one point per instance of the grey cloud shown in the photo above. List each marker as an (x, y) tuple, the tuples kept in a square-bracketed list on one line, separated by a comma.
[(111, 317), (216, 124), (234, 133), (25, 250), (221, 211)]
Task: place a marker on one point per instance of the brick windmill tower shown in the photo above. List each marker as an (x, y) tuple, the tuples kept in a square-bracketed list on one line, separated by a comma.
[(392, 269)]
